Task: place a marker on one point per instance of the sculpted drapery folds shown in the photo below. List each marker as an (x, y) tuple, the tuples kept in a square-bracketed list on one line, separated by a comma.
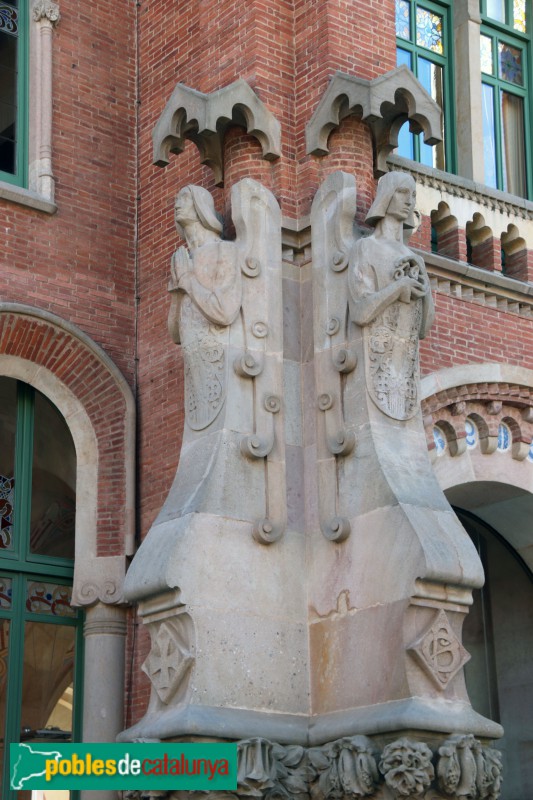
[(390, 298), (206, 295)]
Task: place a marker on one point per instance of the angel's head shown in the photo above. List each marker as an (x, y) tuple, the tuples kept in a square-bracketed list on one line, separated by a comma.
[(194, 205), (395, 196)]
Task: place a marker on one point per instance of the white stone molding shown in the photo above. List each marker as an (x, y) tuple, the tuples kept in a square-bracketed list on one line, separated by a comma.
[(95, 578), (204, 118), (45, 16), (384, 103), (469, 118), (465, 197)]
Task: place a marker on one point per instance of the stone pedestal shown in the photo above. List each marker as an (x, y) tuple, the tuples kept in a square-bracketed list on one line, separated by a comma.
[(323, 634)]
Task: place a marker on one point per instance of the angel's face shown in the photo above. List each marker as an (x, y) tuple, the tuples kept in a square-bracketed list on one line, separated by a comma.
[(184, 210), (402, 202)]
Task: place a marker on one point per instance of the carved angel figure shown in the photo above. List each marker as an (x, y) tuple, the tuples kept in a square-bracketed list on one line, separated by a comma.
[(206, 292), (390, 298), (225, 311)]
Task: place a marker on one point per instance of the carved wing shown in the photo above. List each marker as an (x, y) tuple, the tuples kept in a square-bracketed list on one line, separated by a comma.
[(257, 218), (332, 219)]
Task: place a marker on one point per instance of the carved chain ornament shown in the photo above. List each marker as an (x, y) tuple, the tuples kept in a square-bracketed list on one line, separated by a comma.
[(352, 767)]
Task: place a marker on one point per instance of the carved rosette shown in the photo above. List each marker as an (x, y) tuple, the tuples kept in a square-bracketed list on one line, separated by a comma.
[(45, 9), (407, 768)]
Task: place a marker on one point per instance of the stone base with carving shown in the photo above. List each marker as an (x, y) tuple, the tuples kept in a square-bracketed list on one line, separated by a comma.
[(352, 767)]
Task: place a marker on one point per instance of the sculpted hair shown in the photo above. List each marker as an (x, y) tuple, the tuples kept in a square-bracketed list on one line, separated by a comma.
[(387, 185), (205, 208)]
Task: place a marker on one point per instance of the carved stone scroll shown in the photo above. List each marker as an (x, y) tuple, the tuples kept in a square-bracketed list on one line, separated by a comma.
[(332, 216)]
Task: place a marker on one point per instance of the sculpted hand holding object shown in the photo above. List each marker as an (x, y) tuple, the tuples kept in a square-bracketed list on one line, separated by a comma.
[(390, 298)]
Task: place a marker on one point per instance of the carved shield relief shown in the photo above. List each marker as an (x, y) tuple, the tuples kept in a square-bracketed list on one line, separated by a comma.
[(391, 344)]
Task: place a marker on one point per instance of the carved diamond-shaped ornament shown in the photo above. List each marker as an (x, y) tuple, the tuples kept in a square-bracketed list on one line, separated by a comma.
[(168, 662), (439, 652)]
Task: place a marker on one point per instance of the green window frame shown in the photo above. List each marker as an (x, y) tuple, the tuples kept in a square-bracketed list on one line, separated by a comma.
[(14, 56), (423, 43), (506, 75), (35, 590)]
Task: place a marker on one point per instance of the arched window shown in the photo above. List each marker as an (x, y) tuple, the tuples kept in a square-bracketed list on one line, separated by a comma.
[(498, 634), (40, 632)]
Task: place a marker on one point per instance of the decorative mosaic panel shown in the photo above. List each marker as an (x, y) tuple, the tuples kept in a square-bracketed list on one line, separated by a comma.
[(403, 19), (5, 592), (471, 433), (504, 437), (440, 441), (429, 30), (8, 19), (510, 63), (7, 500), (49, 598), (519, 15), (485, 46)]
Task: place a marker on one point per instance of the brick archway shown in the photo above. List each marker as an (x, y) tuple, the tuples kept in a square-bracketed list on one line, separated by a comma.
[(63, 363)]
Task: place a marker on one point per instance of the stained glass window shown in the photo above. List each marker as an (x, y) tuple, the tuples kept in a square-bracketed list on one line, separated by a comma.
[(38, 678), (429, 30), (49, 598), (486, 54), (440, 441), (422, 31), (506, 70), (9, 86), (504, 437), (6, 592), (519, 15), (471, 433), (510, 63), (403, 19)]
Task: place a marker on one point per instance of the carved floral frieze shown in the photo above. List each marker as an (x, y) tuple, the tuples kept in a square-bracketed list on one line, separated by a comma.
[(351, 768)]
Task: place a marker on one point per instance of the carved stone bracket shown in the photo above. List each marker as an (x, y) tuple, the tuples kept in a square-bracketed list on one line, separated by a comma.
[(204, 118), (384, 103), (352, 767)]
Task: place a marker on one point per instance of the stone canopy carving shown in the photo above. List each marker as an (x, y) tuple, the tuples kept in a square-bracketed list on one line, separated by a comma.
[(203, 118), (384, 103)]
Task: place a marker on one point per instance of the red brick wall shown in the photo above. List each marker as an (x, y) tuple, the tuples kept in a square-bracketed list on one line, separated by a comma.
[(80, 262), (468, 333)]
